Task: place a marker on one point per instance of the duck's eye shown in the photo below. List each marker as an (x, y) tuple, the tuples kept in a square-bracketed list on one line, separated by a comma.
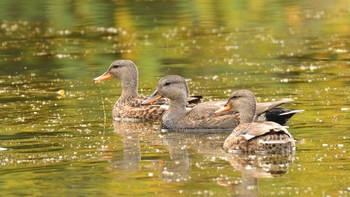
[(166, 84), (116, 66), (234, 97)]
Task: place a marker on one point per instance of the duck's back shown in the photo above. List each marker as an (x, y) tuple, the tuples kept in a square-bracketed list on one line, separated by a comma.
[(205, 110), (260, 137), (200, 117), (203, 116)]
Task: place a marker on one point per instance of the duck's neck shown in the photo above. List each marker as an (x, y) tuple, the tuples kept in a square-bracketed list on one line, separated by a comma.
[(177, 110), (247, 113), (129, 86)]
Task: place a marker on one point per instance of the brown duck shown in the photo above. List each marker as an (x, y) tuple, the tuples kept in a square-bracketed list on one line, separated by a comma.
[(177, 117), (128, 106), (250, 136), (202, 116)]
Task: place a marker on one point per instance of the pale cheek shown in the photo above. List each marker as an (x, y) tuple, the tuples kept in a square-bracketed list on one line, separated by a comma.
[(234, 106)]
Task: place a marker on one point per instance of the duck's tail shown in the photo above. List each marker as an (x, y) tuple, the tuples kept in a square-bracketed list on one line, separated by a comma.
[(281, 115)]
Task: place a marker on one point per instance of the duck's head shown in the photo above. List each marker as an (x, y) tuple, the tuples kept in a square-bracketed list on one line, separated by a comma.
[(119, 69), (242, 101), (172, 87)]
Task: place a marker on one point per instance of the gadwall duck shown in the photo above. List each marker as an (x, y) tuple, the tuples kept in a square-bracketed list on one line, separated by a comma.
[(128, 106), (250, 136), (177, 117), (202, 116)]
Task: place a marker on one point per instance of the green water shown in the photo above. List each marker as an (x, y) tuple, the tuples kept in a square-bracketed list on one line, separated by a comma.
[(54, 145)]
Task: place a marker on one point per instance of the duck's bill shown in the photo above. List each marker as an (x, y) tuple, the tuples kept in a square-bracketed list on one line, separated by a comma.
[(223, 109), (103, 77), (155, 96)]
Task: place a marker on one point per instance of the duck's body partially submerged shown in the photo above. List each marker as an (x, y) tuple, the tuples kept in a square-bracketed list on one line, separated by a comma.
[(128, 106), (260, 137), (265, 111), (250, 136), (177, 117), (202, 116), (132, 109)]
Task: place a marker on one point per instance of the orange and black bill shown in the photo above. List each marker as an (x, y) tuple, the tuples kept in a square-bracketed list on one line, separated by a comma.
[(103, 77), (223, 109), (155, 96)]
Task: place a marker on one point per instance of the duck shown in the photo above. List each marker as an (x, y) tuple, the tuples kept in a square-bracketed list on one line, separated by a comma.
[(177, 117), (251, 136), (201, 116), (129, 105)]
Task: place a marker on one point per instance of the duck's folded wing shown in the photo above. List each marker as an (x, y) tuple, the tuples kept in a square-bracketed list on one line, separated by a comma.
[(219, 122), (266, 106), (260, 129), (151, 112), (205, 110)]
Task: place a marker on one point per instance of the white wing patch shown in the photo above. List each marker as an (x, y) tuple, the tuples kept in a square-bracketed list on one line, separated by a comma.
[(258, 129)]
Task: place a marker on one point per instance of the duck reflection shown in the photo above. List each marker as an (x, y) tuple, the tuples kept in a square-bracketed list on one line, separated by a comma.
[(177, 169), (254, 167), (138, 135), (179, 145), (134, 134)]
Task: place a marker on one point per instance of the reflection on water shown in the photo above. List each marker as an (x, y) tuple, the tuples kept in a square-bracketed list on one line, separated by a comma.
[(133, 135), (69, 145), (178, 165), (254, 167)]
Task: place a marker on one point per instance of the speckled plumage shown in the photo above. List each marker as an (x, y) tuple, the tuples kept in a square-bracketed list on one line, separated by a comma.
[(251, 136), (132, 108)]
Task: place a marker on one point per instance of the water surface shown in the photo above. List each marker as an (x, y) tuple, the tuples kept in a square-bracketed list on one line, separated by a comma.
[(68, 145)]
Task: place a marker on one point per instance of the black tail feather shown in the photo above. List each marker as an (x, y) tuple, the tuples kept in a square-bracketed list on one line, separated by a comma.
[(280, 115)]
